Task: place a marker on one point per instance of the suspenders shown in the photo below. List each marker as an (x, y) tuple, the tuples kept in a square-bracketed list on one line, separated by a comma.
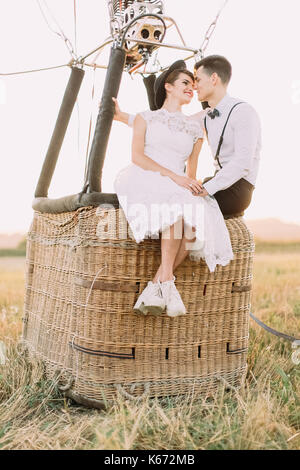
[(222, 135)]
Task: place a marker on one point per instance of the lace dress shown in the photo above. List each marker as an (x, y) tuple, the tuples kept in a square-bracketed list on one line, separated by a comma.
[(152, 202)]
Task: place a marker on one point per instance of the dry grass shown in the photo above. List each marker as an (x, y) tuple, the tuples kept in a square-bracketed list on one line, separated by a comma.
[(265, 414)]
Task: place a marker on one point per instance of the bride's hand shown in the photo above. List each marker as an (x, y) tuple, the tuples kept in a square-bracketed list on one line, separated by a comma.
[(192, 185), (118, 112)]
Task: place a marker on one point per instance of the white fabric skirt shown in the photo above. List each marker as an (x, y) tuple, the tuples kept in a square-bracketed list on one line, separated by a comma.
[(152, 203)]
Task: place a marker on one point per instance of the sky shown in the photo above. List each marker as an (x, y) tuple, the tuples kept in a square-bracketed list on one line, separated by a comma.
[(260, 37)]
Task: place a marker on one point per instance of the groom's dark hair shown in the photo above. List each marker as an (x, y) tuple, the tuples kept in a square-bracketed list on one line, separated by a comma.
[(216, 64)]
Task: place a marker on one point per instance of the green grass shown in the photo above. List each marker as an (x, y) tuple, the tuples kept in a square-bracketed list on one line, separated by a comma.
[(12, 252), (20, 250), (277, 247)]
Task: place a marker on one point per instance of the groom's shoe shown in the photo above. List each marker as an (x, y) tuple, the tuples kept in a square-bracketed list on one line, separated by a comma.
[(150, 301)]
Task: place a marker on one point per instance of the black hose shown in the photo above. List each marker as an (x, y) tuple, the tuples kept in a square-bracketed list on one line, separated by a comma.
[(149, 84), (105, 118), (59, 132)]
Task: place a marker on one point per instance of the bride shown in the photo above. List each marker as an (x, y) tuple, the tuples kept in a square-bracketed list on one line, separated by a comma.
[(160, 197)]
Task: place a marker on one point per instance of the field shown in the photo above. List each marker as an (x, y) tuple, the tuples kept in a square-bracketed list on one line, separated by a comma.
[(265, 414)]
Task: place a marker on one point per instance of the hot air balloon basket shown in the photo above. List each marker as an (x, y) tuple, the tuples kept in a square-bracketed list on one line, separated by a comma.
[(84, 272)]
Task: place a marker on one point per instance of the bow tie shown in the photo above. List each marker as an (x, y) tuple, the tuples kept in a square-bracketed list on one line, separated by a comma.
[(214, 113)]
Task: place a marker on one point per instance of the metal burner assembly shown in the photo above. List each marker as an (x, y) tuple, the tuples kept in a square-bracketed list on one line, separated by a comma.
[(140, 21)]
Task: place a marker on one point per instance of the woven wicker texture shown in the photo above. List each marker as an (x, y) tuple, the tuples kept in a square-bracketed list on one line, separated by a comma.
[(83, 276)]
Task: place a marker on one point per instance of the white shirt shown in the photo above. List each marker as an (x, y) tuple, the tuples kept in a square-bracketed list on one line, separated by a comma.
[(240, 151)]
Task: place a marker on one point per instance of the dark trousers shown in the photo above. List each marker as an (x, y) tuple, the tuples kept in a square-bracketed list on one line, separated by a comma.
[(234, 201)]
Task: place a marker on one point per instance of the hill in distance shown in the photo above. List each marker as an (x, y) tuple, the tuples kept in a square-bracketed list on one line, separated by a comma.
[(11, 240), (274, 230)]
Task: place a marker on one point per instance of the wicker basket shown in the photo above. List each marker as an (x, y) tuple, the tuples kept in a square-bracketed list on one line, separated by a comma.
[(84, 274)]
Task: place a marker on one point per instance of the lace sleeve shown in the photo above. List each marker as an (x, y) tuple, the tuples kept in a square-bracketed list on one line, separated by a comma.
[(131, 119), (198, 132), (197, 123)]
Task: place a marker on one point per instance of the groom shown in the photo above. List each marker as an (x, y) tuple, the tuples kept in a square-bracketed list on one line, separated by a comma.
[(234, 135)]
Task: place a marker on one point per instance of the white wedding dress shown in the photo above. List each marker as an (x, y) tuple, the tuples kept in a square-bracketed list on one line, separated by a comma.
[(152, 202)]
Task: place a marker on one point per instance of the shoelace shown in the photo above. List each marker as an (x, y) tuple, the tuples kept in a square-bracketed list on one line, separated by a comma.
[(168, 288), (157, 287), (160, 283)]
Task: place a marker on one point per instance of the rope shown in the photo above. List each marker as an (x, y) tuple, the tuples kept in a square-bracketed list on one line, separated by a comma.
[(60, 32), (77, 102), (35, 70), (210, 32), (86, 184), (125, 394), (63, 388), (78, 129), (90, 130), (95, 66), (75, 26), (86, 175), (95, 277), (272, 331), (226, 383)]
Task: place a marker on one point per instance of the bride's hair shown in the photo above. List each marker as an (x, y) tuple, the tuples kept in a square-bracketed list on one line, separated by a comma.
[(173, 76)]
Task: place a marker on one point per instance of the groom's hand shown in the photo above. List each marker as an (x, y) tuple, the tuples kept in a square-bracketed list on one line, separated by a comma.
[(203, 192), (189, 183)]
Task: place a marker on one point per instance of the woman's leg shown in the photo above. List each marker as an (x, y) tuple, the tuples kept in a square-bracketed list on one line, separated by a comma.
[(183, 250), (182, 253), (169, 248)]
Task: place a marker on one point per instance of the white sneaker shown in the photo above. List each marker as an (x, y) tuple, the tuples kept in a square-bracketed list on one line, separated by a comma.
[(175, 306), (150, 301)]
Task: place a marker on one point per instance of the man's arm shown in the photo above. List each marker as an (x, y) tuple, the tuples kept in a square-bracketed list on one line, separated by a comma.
[(246, 133)]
